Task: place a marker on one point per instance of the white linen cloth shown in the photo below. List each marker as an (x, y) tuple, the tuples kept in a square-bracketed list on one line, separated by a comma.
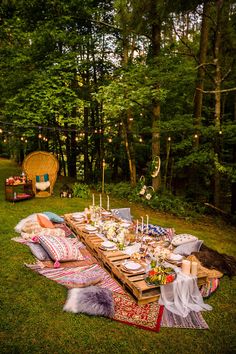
[(182, 295)]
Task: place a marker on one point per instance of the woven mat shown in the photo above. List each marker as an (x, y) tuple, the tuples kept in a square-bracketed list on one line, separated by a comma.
[(79, 276), (193, 321), (146, 316)]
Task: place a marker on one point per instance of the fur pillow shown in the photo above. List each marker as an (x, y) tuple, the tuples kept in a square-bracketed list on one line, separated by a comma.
[(21, 223), (91, 300)]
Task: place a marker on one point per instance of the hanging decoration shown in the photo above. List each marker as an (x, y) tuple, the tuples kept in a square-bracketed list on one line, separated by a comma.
[(155, 166)]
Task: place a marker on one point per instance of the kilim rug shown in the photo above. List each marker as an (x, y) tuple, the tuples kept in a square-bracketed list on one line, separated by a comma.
[(79, 276), (146, 316), (193, 321)]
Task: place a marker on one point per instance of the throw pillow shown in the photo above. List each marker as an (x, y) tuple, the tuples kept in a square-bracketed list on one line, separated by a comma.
[(183, 238), (91, 300), (42, 186), (21, 223), (38, 251), (42, 178), (31, 227), (187, 248), (61, 249), (44, 221), (53, 217)]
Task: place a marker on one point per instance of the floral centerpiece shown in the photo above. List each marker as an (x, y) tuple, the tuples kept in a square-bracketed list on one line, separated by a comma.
[(115, 232)]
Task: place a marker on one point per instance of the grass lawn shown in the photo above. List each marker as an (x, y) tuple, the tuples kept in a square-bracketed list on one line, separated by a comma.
[(32, 320)]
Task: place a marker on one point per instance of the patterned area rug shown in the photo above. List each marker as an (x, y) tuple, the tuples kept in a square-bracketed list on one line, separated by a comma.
[(193, 321), (143, 316), (79, 276)]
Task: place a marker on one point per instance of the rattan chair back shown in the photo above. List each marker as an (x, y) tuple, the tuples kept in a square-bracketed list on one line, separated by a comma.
[(39, 163)]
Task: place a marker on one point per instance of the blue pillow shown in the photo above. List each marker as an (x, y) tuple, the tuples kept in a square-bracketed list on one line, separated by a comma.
[(42, 178), (53, 217)]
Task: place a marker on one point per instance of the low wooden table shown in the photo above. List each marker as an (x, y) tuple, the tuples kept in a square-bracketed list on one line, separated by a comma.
[(112, 261)]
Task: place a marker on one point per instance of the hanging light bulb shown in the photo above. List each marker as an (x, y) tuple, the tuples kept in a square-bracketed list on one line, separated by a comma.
[(169, 138)]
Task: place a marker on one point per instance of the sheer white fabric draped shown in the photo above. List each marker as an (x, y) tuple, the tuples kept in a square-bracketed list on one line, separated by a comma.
[(183, 295)]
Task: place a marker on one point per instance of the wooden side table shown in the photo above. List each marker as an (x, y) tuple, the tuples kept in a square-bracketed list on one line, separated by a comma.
[(18, 192)]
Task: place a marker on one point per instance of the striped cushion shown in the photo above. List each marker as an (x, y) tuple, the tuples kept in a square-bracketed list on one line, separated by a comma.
[(61, 248)]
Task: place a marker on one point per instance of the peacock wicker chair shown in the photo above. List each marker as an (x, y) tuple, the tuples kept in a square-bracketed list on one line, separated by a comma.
[(41, 163)]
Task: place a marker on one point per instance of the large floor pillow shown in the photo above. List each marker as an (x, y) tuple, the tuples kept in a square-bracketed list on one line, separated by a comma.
[(61, 249), (91, 300)]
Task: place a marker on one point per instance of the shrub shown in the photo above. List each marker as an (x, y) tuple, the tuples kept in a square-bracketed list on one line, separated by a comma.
[(81, 190)]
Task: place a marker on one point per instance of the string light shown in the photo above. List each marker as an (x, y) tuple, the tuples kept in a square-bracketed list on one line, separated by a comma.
[(140, 140), (220, 132), (110, 140), (1, 131), (169, 138), (195, 136)]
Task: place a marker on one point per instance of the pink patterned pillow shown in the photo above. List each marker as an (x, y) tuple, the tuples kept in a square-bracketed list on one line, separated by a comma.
[(61, 249)]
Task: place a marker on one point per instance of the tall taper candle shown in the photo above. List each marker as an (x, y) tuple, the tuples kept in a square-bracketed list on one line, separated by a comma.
[(147, 223), (93, 200), (108, 203), (100, 200), (136, 227), (142, 225)]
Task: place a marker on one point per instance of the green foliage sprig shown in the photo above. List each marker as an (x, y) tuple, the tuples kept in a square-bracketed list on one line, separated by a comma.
[(81, 190)]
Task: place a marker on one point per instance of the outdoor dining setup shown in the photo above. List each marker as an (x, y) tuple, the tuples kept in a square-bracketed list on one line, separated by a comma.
[(104, 253), (133, 254)]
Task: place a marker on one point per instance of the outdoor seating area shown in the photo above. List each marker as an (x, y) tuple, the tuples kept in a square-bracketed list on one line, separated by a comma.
[(147, 277), (41, 168)]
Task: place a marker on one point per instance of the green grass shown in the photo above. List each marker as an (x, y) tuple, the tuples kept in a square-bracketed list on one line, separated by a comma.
[(32, 320)]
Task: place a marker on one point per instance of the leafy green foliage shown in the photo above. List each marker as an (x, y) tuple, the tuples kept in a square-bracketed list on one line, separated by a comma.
[(81, 190)]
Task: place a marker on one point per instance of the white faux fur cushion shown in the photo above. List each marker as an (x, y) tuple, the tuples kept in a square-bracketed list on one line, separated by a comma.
[(21, 223), (42, 186), (91, 300)]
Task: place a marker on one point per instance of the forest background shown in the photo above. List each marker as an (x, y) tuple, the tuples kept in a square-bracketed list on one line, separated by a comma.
[(117, 84)]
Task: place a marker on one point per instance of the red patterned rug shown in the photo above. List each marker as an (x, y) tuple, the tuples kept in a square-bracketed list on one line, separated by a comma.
[(146, 316)]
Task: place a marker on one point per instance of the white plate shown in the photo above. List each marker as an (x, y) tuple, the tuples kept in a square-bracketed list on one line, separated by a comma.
[(90, 228), (125, 224), (106, 213), (108, 244), (175, 257), (132, 265), (78, 215)]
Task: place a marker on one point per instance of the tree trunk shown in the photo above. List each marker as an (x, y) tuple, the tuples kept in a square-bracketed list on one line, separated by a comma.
[(86, 155), (201, 69), (130, 148), (156, 110), (233, 184), (217, 80)]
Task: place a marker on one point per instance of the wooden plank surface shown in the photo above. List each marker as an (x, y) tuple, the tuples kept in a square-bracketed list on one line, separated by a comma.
[(133, 283)]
